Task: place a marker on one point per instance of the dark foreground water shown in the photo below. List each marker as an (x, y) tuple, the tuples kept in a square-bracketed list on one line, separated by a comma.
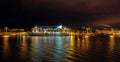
[(59, 49)]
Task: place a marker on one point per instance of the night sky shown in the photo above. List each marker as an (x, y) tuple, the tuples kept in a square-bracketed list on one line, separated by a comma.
[(27, 13)]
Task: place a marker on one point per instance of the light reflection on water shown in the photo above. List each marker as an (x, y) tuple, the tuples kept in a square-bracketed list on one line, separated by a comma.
[(111, 44), (6, 46), (59, 49)]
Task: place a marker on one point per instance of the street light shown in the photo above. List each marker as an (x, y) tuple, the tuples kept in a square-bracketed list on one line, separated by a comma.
[(6, 29)]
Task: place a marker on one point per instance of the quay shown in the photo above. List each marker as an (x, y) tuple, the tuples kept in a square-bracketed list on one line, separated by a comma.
[(57, 30), (65, 31), (12, 32)]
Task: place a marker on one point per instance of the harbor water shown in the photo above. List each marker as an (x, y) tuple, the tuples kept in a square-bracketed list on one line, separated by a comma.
[(59, 49)]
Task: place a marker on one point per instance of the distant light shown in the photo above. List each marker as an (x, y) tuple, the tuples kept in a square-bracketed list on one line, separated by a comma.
[(23, 36), (60, 26), (36, 31), (111, 36), (86, 36), (35, 27), (5, 35)]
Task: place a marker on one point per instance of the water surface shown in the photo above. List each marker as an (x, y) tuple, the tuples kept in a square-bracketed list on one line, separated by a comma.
[(59, 49)]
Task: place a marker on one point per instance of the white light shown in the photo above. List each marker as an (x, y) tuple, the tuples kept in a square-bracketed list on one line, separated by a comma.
[(36, 31), (60, 27)]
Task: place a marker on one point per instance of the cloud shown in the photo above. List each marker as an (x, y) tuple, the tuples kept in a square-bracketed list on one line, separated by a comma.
[(99, 11), (86, 5), (109, 19)]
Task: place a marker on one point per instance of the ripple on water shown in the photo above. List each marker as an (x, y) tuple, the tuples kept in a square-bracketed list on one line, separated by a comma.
[(59, 49)]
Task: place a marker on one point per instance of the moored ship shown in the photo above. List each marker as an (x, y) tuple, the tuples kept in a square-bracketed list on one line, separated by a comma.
[(49, 30)]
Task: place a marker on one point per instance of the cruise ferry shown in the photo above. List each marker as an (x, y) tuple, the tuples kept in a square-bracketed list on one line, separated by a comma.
[(49, 30)]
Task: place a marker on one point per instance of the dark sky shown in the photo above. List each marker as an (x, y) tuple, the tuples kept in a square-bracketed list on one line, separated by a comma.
[(26, 13)]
